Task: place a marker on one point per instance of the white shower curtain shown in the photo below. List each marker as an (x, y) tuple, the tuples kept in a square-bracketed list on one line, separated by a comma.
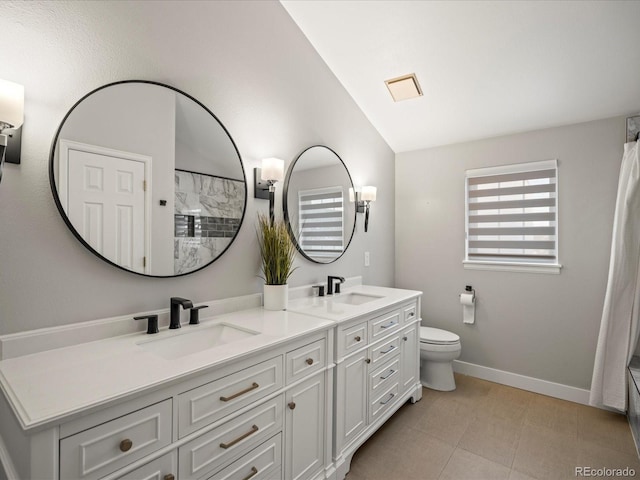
[(619, 326)]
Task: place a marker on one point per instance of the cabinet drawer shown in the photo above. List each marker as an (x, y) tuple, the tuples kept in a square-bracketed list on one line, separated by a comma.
[(105, 448), (409, 313), (382, 351), (383, 325), (352, 338), (385, 375), (213, 401), (383, 402), (212, 450), (163, 468), (261, 463), (305, 360)]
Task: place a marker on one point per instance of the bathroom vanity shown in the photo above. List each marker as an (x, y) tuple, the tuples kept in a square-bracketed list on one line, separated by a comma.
[(139, 406), (248, 394), (377, 340)]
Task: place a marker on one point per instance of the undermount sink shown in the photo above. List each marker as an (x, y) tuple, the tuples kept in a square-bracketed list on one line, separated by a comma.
[(354, 298), (181, 344)]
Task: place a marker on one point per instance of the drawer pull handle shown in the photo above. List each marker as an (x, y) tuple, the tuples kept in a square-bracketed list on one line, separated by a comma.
[(405, 338), (125, 445), (390, 349), (367, 360), (253, 430), (253, 386), (292, 405), (254, 470), (309, 361), (384, 377), (384, 402), (169, 476), (389, 325), (357, 339), (412, 314)]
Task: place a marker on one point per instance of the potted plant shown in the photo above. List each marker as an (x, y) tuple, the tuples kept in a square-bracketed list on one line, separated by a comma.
[(277, 253)]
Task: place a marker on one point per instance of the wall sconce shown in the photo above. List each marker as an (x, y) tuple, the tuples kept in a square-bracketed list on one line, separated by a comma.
[(11, 119), (363, 198), (265, 179)]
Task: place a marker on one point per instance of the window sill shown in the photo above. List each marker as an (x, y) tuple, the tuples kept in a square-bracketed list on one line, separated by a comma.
[(552, 269)]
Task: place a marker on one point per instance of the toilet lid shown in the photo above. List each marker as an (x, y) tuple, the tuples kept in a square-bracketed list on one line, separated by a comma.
[(437, 336)]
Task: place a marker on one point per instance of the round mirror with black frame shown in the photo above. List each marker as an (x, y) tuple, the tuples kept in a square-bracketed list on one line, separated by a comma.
[(316, 206), (148, 178)]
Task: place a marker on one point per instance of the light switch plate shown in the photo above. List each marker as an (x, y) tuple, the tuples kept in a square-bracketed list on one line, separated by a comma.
[(367, 259)]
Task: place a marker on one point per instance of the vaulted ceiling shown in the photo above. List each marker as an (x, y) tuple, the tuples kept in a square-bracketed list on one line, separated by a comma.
[(486, 68)]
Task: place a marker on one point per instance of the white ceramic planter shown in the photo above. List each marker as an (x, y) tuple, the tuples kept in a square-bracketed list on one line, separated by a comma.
[(276, 297)]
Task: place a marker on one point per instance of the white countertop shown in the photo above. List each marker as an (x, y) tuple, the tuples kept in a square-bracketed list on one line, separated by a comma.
[(48, 386), (52, 385), (332, 308)]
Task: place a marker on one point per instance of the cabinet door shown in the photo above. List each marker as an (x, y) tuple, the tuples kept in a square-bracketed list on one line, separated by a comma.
[(305, 426), (410, 357), (351, 404)]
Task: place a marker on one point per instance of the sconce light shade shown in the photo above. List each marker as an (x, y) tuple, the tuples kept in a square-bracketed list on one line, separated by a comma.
[(363, 197), (272, 172), (369, 194), (11, 104), (272, 169), (11, 120)]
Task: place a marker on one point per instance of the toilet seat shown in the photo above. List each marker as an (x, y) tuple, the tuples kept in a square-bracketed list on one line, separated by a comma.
[(436, 336)]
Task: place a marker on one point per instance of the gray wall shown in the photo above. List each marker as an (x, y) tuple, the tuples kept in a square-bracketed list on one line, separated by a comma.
[(249, 64), (539, 325)]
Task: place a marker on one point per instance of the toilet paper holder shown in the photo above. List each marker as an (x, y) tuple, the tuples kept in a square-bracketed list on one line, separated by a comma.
[(468, 297), (468, 301)]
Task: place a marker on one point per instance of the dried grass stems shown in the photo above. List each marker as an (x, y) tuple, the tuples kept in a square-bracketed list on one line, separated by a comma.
[(277, 251)]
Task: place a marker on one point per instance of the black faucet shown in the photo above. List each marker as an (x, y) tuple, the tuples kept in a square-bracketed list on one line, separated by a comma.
[(330, 280), (175, 310)]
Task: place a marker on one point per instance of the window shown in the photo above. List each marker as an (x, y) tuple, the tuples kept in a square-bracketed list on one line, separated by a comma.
[(512, 217), (321, 222)]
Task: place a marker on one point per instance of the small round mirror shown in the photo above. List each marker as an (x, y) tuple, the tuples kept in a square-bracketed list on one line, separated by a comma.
[(319, 216), (148, 179)]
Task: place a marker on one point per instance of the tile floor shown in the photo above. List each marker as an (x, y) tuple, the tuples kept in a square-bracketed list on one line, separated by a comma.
[(484, 430)]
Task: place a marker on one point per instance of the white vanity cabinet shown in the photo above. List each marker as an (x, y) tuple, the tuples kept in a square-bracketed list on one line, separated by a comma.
[(266, 415), (306, 430), (377, 371), (291, 401)]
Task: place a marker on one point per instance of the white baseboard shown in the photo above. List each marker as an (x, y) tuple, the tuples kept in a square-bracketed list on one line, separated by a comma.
[(551, 389)]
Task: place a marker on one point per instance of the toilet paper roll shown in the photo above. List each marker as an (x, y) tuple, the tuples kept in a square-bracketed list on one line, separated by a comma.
[(468, 301), (467, 298)]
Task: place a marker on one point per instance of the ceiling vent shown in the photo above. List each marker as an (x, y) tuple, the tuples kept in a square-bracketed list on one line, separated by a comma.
[(404, 88)]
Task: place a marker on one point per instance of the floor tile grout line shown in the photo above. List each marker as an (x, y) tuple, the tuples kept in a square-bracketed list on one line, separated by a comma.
[(448, 460), (518, 444)]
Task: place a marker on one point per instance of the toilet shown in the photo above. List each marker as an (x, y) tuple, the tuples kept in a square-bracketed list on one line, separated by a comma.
[(438, 349)]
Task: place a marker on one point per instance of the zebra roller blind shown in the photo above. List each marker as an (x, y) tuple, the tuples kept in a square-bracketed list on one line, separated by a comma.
[(321, 221), (512, 213)]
